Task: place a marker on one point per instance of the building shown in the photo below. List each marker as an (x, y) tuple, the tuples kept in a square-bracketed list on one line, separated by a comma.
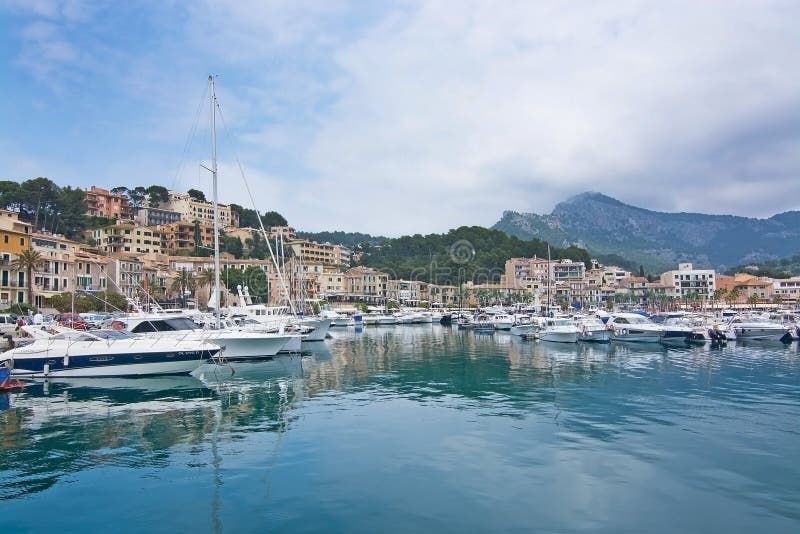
[(15, 236), (687, 280), (184, 235), (408, 292), (156, 216), (367, 284), (313, 252), (103, 203), (125, 275), (196, 210), (56, 273), (746, 285), (287, 232), (122, 238), (332, 283), (787, 289)]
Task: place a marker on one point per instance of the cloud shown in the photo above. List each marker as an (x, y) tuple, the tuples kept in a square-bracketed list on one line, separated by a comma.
[(456, 114), (419, 116)]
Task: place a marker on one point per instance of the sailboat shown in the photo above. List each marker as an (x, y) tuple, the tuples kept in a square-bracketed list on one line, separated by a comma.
[(237, 344)]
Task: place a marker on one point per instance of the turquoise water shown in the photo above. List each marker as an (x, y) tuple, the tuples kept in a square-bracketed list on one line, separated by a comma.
[(418, 428)]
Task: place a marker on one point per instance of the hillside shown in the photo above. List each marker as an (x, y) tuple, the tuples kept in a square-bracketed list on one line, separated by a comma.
[(658, 240), (466, 253)]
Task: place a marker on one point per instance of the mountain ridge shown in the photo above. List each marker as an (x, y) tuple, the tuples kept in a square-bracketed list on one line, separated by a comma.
[(658, 240)]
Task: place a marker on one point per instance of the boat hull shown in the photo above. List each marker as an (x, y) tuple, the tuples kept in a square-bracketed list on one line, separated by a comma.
[(595, 336), (111, 365), (559, 337)]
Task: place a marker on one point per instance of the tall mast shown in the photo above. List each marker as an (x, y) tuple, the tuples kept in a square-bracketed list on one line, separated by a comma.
[(218, 301), (549, 268)]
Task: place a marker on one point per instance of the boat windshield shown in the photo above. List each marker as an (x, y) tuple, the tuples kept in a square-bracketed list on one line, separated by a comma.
[(170, 324)]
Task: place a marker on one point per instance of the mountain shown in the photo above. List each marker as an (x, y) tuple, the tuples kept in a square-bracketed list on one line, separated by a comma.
[(658, 240)]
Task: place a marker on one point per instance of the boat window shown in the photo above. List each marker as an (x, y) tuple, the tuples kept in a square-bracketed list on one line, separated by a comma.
[(112, 334), (621, 320), (75, 337)]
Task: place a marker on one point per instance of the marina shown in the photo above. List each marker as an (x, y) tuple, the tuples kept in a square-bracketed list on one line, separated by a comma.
[(414, 427)]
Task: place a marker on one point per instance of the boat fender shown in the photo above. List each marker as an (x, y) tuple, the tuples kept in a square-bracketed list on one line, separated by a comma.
[(66, 360), (46, 369), (624, 332)]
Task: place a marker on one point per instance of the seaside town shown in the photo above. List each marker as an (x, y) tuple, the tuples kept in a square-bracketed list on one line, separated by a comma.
[(145, 254)]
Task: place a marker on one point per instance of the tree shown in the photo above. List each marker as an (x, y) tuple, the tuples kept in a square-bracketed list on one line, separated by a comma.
[(641, 271), (137, 197), (752, 300), (206, 279), (27, 261), (183, 282), (197, 195), (157, 195), (733, 296), (273, 218), (720, 293)]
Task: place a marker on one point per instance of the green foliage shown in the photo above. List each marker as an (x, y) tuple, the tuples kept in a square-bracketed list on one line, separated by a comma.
[(232, 245), (46, 205), (781, 268), (252, 277), (349, 239), (88, 302), (19, 308), (197, 195), (449, 259), (249, 218), (157, 195)]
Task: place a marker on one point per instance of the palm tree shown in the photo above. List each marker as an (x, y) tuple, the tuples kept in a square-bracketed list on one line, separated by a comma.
[(752, 300), (206, 279), (719, 294), (184, 281), (27, 261), (733, 295)]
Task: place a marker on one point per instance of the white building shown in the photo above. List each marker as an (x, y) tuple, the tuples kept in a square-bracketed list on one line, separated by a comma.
[(686, 279)]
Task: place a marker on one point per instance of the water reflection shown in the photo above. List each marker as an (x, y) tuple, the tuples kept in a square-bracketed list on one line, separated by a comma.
[(624, 397)]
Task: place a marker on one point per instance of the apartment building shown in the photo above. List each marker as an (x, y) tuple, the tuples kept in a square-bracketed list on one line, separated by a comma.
[(103, 203), (156, 216), (197, 210), (313, 252), (787, 289), (15, 238), (366, 283), (56, 273), (125, 275), (122, 238), (184, 235), (686, 279)]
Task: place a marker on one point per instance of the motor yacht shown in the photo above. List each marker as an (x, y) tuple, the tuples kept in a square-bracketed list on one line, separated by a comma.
[(633, 327)]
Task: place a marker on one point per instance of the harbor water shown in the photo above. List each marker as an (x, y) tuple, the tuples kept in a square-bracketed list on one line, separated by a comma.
[(417, 429)]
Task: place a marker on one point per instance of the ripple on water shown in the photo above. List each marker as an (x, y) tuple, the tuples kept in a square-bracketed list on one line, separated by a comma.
[(421, 429)]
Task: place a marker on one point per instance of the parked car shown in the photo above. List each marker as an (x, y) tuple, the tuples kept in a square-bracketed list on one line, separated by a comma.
[(72, 320), (94, 320)]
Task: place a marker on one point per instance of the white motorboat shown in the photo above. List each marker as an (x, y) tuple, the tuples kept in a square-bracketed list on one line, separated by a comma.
[(559, 330), (337, 319), (106, 353), (633, 327), (237, 344), (677, 330), (592, 330), (755, 327), (523, 326), (483, 323), (502, 321)]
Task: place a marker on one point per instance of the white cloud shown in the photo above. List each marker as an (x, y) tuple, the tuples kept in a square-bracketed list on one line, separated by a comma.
[(424, 115), (457, 112)]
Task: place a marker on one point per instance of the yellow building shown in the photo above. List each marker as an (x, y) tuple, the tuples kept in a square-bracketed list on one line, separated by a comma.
[(14, 239), (128, 238)]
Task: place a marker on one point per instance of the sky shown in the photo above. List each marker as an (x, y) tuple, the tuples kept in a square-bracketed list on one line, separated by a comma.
[(411, 116)]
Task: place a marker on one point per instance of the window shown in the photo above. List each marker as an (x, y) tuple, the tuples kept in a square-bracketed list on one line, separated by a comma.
[(5, 239), (22, 241)]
